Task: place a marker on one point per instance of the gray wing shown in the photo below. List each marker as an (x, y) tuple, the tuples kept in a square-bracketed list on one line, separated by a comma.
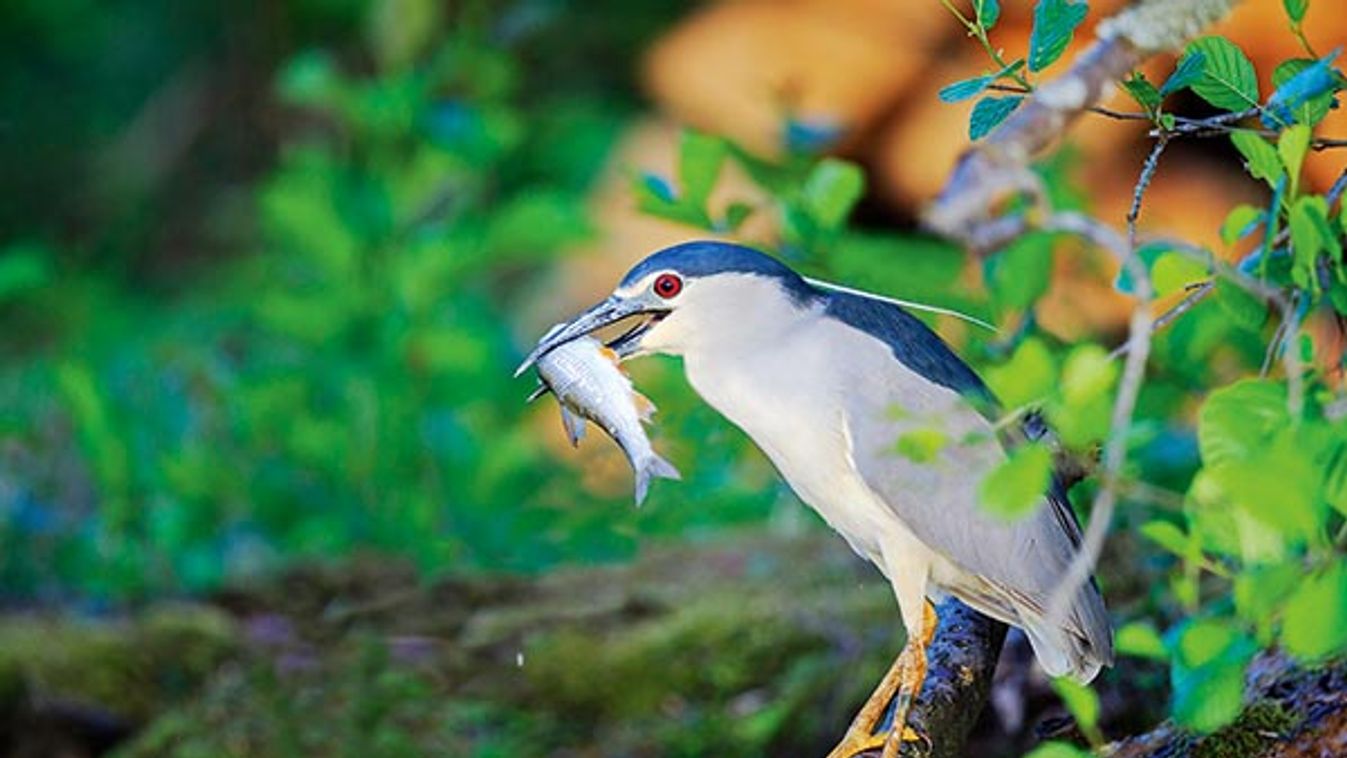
[(1010, 568)]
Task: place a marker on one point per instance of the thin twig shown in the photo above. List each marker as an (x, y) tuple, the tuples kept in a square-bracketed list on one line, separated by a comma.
[(1143, 183), (1197, 292), (1142, 325), (1335, 192)]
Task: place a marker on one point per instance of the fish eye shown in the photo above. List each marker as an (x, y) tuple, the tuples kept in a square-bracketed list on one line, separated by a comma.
[(667, 285)]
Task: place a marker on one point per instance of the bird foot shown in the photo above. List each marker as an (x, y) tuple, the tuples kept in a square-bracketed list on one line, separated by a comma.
[(856, 743)]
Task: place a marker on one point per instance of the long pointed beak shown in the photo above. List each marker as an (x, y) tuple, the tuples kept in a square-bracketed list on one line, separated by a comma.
[(609, 311)]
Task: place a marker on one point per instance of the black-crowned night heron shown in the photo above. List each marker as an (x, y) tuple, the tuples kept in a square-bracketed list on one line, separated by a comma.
[(825, 381)]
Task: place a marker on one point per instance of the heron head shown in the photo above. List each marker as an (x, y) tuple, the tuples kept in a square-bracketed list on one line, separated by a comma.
[(693, 296)]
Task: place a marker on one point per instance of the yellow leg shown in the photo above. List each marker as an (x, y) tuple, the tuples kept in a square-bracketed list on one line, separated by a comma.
[(903, 680)]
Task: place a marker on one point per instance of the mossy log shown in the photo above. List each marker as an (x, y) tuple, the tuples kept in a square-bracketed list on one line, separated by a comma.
[(747, 646)]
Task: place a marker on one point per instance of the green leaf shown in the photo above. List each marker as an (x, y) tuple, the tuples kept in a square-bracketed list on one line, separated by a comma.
[(1087, 374), (1287, 502), (1212, 699), (1292, 146), (1306, 85), (310, 79), (1240, 418), (832, 190), (1295, 9), (700, 158), (1337, 295), (1315, 623), (1178, 270), (1027, 378), (1057, 750), (1190, 69), (1335, 477), (1240, 222), (1243, 308), (1055, 23), (989, 113), (1080, 700), (1260, 158), (1208, 674), (735, 215), (1228, 80), (1168, 536), (1310, 236), (1174, 271), (1142, 91), (964, 89), (1020, 274), (1016, 487), (1312, 110), (987, 12), (921, 445), (23, 267), (967, 88), (1141, 640), (1261, 590)]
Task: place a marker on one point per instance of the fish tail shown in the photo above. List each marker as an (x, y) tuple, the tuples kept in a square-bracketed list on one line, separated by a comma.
[(653, 466)]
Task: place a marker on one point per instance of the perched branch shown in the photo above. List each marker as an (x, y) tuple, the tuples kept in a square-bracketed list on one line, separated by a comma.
[(962, 659)]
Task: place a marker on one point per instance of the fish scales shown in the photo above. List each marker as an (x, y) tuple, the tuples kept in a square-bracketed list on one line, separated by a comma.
[(588, 384)]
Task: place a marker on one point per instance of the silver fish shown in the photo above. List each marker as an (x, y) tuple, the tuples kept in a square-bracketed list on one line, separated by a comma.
[(584, 376)]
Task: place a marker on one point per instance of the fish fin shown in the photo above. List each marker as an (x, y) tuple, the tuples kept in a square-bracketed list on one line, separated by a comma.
[(539, 391), (575, 425), (644, 408), (651, 467)]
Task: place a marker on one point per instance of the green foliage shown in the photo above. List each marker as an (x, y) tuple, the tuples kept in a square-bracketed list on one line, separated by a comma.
[(1228, 80), (967, 88), (1208, 674), (1055, 23), (987, 12), (1295, 9), (1028, 378), (1057, 750), (1260, 158), (1143, 92), (1316, 615), (989, 112), (1083, 704), (1140, 639), (1019, 275), (1015, 488), (345, 386), (1190, 69), (921, 445), (831, 191), (1300, 95), (1298, 101)]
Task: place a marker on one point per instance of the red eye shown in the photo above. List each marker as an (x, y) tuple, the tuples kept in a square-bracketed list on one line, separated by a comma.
[(668, 285)]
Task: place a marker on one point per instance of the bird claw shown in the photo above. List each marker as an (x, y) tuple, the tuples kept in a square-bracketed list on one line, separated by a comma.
[(855, 745)]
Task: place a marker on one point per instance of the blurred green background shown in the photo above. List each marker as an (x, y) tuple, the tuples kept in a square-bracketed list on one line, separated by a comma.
[(266, 269), (260, 278)]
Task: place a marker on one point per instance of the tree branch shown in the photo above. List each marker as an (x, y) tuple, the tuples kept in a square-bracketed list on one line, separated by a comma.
[(961, 659)]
